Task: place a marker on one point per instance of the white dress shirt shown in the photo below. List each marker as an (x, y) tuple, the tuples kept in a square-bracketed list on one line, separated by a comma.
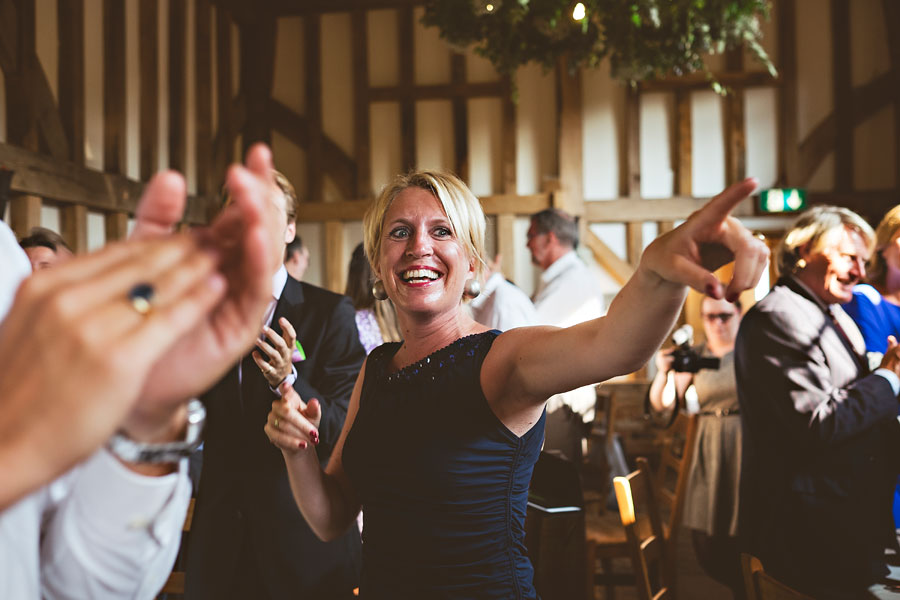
[(568, 294), (99, 531), (503, 306)]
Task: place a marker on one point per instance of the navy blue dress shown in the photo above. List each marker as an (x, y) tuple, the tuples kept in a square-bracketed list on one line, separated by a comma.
[(443, 483)]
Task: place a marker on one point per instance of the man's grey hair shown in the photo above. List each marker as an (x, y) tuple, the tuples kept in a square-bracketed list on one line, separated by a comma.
[(558, 222), (810, 230)]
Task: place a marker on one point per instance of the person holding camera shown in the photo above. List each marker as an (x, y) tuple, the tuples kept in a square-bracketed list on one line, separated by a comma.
[(711, 501)]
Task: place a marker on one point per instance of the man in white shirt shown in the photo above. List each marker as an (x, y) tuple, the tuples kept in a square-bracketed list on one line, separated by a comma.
[(110, 527), (567, 294)]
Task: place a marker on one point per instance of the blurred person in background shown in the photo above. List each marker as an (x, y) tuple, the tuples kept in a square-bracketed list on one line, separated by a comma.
[(375, 320), (713, 483)]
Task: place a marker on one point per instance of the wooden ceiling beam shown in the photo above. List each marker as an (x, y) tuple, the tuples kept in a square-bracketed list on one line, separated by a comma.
[(63, 181)]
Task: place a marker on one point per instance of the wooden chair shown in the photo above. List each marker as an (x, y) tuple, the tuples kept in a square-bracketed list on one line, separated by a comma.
[(639, 511), (175, 583), (605, 538), (762, 586)]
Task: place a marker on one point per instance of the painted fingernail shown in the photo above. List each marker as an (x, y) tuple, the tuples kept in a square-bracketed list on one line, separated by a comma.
[(732, 297), (314, 435), (711, 290), (302, 444)]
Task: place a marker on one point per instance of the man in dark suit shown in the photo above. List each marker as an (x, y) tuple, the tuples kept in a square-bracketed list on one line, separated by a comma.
[(248, 538), (821, 437)]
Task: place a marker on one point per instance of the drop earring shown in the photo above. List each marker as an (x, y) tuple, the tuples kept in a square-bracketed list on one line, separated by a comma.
[(472, 288), (378, 290)]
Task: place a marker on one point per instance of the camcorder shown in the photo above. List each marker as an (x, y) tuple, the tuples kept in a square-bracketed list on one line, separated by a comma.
[(684, 358)]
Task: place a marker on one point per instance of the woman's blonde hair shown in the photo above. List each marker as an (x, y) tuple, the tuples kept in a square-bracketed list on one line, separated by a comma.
[(460, 205), (885, 233), (809, 232)]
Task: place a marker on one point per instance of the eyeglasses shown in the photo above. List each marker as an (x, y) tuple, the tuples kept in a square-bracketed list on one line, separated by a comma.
[(723, 317)]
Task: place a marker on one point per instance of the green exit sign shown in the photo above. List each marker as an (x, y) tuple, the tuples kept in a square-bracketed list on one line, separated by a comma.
[(782, 200)]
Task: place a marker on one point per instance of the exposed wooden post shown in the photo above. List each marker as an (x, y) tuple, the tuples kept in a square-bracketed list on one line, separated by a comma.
[(225, 129), (842, 85), (24, 213), (682, 144), (735, 139), (21, 117), (203, 97), (334, 256), (633, 143), (149, 86), (634, 242), (506, 243), (460, 118), (362, 151), (664, 227), (571, 161), (73, 225), (788, 152), (70, 25), (257, 72), (115, 225), (508, 148), (114, 142), (892, 25), (177, 86), (313, 39), (407, 104)]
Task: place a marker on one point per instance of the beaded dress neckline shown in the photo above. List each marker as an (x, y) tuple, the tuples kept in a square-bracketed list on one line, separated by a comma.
[(436, 360)]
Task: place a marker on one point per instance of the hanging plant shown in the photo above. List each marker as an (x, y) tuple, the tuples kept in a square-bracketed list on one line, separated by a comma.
[(643, 39)]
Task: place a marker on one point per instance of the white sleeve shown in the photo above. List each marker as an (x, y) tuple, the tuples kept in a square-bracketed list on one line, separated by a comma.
[(15, 268), (112, 533)]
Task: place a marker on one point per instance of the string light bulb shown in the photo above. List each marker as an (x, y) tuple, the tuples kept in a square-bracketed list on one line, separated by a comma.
[(489, 7), (578, 13)]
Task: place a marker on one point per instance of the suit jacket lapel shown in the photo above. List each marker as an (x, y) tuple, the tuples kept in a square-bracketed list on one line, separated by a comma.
[(861, 361)]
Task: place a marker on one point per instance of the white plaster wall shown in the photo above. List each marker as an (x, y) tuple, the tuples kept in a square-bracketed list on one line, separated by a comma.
[(434, 135), (384, 127), (46, 41), (289, 76), (657, 176), (162, 83), (485, 145), (313, 238), (132, 90), (707, 144), (874, 148), (761, 129), (96, 230), (431, 63), (384, 65), (290, 159), (337, 81), (603, 102), (93, 84), (536, 152), (868, 39), (815, 96), (479, 69)]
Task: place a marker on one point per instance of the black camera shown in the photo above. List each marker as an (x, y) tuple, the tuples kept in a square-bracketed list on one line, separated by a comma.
[(684, 358)]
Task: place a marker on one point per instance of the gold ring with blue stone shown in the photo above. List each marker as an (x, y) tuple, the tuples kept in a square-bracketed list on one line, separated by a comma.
[(141, 297)]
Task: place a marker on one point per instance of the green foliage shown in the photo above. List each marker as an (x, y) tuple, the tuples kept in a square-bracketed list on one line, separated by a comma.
[(643, 39)]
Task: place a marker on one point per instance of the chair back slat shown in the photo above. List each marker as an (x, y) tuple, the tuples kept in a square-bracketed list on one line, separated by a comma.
[(762, 586), (639, 511)]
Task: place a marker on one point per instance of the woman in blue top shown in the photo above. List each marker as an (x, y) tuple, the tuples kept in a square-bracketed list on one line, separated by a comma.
[(876, 305), (443, 429)]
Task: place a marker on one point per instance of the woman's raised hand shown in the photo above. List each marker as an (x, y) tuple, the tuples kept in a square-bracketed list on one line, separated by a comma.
[(710, 238), (293, 424)]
